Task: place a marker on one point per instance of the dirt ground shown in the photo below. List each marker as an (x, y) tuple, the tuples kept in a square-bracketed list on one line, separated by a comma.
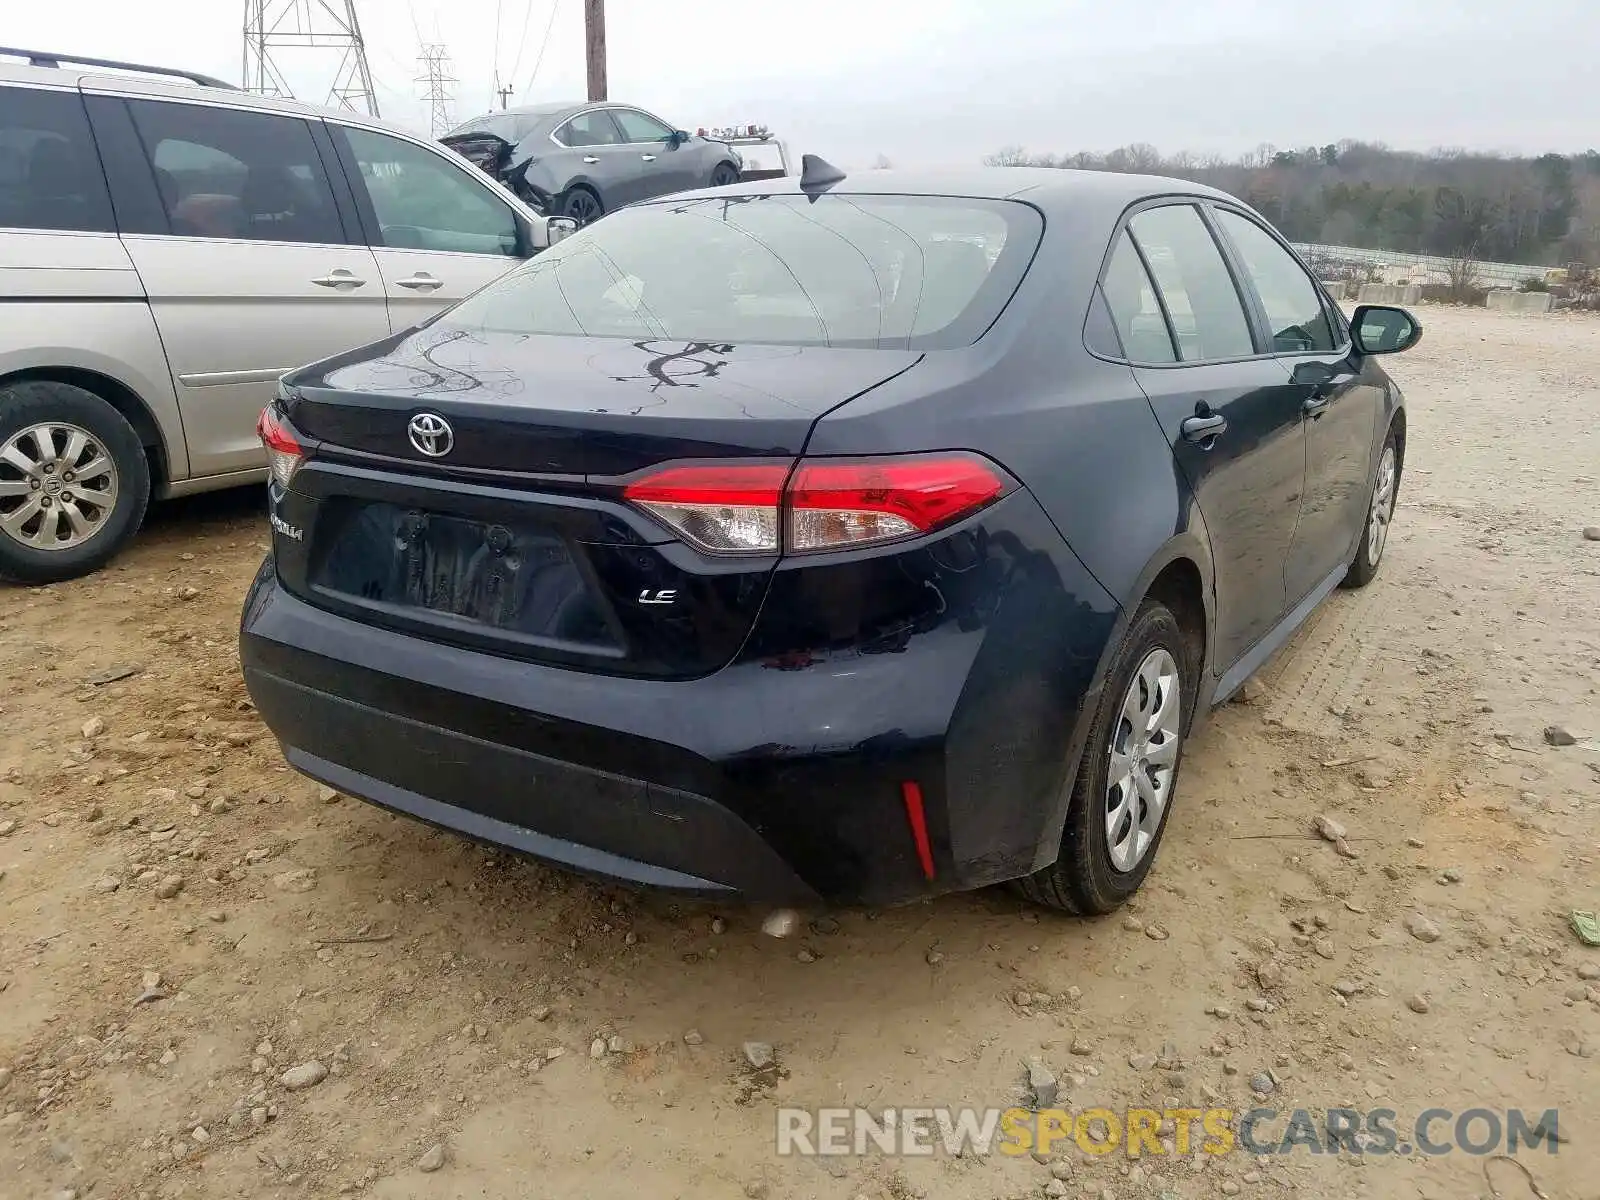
[(436, 981)]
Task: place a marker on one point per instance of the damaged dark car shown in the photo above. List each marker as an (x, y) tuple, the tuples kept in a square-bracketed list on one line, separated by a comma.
[(582, 161)]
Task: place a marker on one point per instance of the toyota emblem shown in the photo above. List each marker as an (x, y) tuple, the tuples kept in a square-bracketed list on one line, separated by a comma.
[(431, 434)]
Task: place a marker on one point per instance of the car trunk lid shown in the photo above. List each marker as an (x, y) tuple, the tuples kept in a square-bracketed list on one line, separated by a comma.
[(514, 537)]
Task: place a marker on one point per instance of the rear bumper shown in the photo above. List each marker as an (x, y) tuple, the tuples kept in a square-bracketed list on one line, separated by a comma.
[(779, 778)]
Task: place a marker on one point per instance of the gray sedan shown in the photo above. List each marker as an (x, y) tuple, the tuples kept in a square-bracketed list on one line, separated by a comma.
[(584, 160)]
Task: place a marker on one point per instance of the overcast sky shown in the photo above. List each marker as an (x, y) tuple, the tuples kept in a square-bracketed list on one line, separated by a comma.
[(935, 82)]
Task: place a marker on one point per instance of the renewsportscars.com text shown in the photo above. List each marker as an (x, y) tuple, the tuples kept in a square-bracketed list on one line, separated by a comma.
[(1137, 1131)]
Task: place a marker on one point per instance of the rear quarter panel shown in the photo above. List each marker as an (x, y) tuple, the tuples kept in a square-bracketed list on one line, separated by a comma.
[(74, 300), (1076, 430), (1079, 434)]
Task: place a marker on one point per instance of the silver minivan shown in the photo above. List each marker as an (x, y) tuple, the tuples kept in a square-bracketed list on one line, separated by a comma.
[(169, 246)]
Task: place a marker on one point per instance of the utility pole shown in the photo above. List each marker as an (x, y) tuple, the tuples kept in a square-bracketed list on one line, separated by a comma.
[(271, 25), (437, 79), (504, 91), (594, 44)]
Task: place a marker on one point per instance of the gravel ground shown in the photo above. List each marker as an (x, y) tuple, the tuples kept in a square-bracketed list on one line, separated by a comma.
[(218, 979)]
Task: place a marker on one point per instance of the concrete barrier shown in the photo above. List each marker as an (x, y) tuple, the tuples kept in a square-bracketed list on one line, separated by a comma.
[(1530, 303), (1389, 293), (1339, 289)]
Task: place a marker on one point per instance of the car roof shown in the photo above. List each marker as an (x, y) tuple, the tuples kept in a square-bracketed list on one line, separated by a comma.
[(1046, 188), (161, 87), (514, 124)]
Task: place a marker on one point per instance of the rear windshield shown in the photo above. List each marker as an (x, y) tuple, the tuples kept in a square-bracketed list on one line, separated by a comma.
[(914, 272)]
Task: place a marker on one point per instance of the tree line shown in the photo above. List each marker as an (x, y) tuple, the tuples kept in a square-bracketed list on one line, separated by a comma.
[(1461, 204)]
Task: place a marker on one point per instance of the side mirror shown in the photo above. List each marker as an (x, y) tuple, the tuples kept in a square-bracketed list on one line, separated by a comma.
[(1384, 329), (557, 228), (679, 137)]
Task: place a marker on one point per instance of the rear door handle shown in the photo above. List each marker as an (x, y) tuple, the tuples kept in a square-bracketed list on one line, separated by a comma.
[(590, 159), (648, 157), (421, 281), (1202, 429), (339, 277)]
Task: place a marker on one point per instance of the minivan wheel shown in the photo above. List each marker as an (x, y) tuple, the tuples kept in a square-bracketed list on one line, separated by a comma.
[(1123, 793), (1380, 513), (74, 482)]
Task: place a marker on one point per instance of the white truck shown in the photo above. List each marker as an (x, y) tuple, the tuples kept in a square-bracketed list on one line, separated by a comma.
[(761, 155)]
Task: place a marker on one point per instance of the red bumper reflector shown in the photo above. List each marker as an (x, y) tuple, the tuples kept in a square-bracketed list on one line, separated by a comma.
[(911, 792)]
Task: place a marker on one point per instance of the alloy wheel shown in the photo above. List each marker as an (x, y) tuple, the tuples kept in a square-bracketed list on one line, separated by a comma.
[(1144, 757), (1382, 510), (582, 207), (58, 485)]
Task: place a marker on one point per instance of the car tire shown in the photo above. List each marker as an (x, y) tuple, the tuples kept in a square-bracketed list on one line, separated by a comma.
[(581, 205), (724, 174), (70, 420), (1368, 558), (1093, 874)]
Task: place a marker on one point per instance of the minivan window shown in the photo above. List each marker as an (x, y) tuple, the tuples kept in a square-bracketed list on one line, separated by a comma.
[(1207, 315), (228, 173), (915, 272), (423, 202), (1293, 303), (1134, 308), (50, 175)]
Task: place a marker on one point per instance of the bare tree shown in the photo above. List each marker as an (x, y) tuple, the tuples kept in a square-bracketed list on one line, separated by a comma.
[(1463, 276), (1007, 156)]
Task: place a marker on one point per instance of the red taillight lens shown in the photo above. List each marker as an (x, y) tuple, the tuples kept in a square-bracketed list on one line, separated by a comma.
[(828, 504), (851, 503), (284, 455), (729, 509)]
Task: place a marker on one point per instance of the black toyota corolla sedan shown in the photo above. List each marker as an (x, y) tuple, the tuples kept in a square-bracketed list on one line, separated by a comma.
[(842, 540)]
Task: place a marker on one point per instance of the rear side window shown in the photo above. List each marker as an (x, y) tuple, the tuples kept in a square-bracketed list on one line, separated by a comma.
[(1292, 300), (225, 173), (1135, 311), (913, 272), (589, 129), (1207, 315), (50, 175)]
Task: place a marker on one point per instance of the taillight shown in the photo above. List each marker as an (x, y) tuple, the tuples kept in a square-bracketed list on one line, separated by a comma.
[(853, 503), (826, 504), (284, 455), (729, 509)]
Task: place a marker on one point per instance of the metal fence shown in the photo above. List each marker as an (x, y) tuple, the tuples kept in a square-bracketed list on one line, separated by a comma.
[(1417, 268)]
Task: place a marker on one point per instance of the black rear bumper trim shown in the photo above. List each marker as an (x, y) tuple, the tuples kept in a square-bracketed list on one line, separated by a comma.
[(496, 832)]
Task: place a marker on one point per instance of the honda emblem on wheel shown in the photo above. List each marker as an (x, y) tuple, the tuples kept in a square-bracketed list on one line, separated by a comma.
[(431, 434)]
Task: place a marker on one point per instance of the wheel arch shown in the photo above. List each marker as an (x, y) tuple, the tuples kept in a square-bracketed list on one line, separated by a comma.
[(121, 397), (582, 183), (1397, 425), (1179, 574)]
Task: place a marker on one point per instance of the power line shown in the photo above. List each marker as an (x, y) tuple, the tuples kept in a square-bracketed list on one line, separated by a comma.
[(522, 40), (498, 4), (544, 44)]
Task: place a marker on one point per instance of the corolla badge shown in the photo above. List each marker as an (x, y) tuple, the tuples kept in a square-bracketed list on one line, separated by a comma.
[(431, 434), (293, 532)]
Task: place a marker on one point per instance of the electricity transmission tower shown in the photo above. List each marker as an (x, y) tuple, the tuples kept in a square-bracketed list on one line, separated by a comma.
[(271, 26), (437, 79)]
